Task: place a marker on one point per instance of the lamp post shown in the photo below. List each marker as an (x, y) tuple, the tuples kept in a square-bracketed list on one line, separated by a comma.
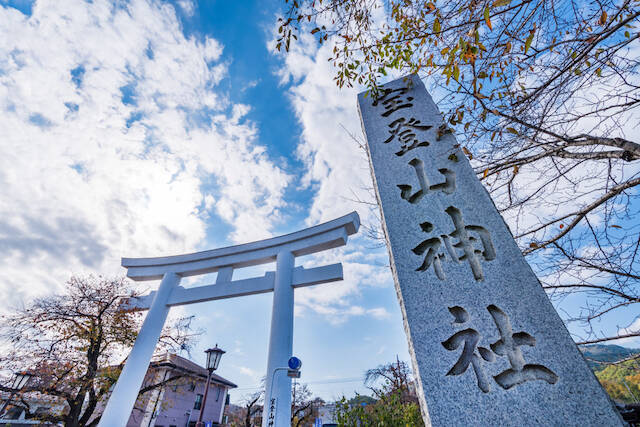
[(213, 360), (21, 379)]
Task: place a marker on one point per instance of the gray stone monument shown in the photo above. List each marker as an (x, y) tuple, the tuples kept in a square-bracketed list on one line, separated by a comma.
[(487, 346)]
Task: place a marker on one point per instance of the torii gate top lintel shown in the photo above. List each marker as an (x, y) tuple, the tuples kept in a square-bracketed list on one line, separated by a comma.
[(310, 240)]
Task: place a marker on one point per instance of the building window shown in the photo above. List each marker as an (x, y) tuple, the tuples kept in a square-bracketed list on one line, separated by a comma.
[(198, 403)]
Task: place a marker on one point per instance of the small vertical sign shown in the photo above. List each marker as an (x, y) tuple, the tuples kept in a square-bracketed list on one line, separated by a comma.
[(272, 412)]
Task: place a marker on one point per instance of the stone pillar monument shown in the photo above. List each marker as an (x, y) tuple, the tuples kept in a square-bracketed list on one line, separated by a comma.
[(487, 346)]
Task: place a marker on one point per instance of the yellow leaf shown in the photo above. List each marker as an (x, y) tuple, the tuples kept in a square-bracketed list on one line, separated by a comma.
[(512, 130), (515, 169), (467, 152), (486, 172), (436, 26), (498, 3)]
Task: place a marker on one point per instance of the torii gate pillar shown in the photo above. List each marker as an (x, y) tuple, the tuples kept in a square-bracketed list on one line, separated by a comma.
[(224, 261), (280, 346)]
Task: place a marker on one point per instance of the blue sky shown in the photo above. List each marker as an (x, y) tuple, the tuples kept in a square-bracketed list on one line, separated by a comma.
[(155, 128)]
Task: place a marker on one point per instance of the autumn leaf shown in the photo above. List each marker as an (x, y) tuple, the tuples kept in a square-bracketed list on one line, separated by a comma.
[(467, 152), (515, 169), (615, 226), (453, 157), (436, 26), (603, 18), (498, 3), (487, 19), (512, 130), (533, 245), (486, 172)]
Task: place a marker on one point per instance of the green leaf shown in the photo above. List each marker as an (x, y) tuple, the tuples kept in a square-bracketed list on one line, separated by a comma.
[(527, 43), (456, 73), (436, 26)]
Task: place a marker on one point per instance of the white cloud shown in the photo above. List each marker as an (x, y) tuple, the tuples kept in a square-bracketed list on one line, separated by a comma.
[(337, 170), (112, 132), (187, 6)]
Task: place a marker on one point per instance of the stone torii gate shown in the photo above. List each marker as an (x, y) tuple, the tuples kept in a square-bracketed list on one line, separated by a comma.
[(224, 261)]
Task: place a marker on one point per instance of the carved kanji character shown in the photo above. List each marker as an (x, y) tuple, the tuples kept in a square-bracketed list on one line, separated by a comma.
[(392, 100), (470, 338), (447, 187), (466, 242), (432, 248), (509, 345), (404, 131)]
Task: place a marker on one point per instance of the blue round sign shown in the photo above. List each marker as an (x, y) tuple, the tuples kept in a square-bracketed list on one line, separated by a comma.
[(295, 363)]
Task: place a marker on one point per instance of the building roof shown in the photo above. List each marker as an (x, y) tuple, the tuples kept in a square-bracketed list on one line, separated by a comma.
[(180, 363)]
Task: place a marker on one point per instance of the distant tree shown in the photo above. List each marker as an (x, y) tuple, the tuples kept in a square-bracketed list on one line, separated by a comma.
[(539, 93), (74, 345), (251, 407), (392, 378), (396, 403), (244, 415), (622, 381), (304, 407)]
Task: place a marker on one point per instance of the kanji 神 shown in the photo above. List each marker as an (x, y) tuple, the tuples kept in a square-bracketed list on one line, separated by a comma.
[(465, 241), (470, 338), (392, 100), (509, 345), (447, 187), (404, 131)]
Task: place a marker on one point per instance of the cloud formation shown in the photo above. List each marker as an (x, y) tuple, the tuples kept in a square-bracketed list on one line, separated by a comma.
[(115, 140)]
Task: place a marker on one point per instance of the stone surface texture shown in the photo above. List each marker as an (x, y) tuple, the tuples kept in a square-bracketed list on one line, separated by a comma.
[(487, 346)]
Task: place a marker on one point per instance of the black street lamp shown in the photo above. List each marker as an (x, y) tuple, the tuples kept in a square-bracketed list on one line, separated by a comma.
[(21, 379), (213, 360)]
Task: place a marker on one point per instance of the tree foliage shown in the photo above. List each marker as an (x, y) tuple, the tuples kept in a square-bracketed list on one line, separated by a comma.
[(396, 404), (542, 94), (622, 381), (75, 344)]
